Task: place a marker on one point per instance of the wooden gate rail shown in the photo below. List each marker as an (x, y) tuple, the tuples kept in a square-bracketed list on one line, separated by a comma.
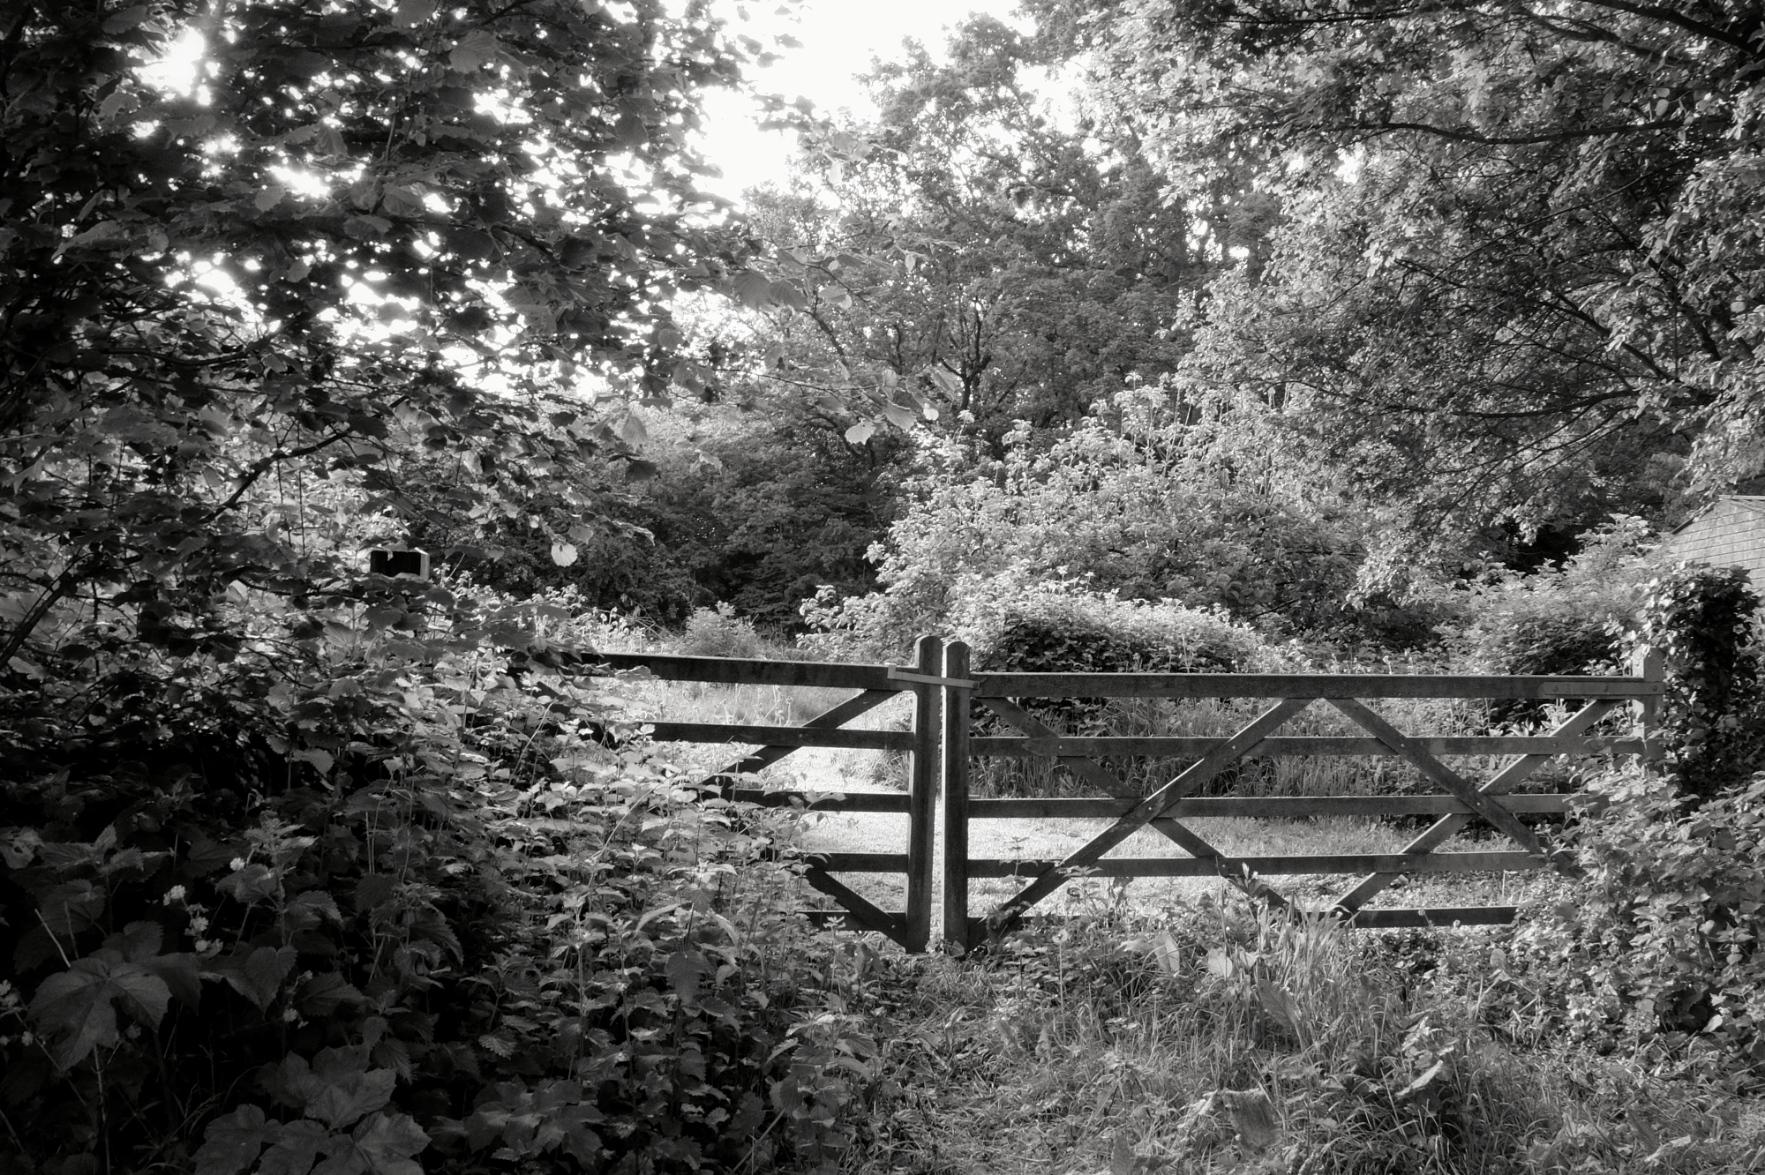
[(1307, 685), (1460, 802), (911, 927)]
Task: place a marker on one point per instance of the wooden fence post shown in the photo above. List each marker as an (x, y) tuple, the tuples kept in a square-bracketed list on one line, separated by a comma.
[(1650, 665), (922, 791), (955, 796)]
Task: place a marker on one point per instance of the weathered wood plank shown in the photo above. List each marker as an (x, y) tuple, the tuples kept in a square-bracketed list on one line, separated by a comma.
[(830, 718), (1402, 863), (858, 862), (1153, 805), (922, 784), (859, 909), (824, 801), (743, 670), (1486, 806), (1259, 807), (781, 736), (1099, 775), (829, 917), (1009, 747), (1306, 685), (1078, 765), (953, 785), (1438, 916)]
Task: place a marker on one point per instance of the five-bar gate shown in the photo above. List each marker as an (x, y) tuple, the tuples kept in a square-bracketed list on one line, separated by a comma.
[(943, 747)]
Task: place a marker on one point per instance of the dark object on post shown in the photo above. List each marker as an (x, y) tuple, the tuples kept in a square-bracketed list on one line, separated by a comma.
[(412, 562)]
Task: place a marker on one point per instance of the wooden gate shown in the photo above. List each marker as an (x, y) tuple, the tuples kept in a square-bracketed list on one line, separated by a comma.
[(1460, 801), (874, 685), (942, 749)]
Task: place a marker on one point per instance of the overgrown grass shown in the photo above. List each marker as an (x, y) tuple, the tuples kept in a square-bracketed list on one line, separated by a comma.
[(1213, 1039)]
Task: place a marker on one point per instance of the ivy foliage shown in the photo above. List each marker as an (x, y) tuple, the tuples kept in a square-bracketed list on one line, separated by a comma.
[(1704, 621), (1663, 935)]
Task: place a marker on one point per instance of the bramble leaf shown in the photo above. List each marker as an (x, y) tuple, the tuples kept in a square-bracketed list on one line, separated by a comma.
[(258, 975), (346, 1098), (231, 1144), (296, 1148), (77, 1006), (384, 1144)]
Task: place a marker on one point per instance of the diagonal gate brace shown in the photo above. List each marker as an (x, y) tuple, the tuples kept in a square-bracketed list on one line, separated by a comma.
[(1147, 810), (1100, 776), (1446, 827), (723, 782), (1484, 805)]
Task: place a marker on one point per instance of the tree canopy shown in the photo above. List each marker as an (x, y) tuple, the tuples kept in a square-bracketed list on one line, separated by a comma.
[(974, 252), (364, 230), (1518, 250)]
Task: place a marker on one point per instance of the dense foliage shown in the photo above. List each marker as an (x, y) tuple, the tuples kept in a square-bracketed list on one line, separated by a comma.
[(967, 255), (1516, 248), (1153, 498), (753, 509), (225, 307), (297, 875), (1663, 935), (307, 869), (466, 937)]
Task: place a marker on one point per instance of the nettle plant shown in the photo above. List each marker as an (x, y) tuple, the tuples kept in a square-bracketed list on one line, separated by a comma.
[(400, 912), (1663, 934)]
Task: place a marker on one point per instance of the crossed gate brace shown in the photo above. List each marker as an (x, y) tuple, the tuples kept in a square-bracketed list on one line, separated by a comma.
[(928, 680), (1150, 811)]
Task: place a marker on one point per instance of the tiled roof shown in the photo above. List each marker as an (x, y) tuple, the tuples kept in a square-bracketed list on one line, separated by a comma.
[(1753, 502)]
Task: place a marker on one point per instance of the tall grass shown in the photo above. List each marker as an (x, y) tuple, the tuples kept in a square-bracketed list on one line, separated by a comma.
[(1216, 1039)]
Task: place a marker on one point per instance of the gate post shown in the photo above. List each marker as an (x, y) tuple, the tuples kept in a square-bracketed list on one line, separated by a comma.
[(954, 772), (1650, 665), (921, 792)]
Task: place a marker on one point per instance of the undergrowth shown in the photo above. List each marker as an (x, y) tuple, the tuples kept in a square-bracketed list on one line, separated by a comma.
[(1214, 1039), (393, 910)]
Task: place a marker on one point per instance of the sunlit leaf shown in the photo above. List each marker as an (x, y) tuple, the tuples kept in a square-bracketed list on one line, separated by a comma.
[(900, 417), (753, 289), (475, 50)]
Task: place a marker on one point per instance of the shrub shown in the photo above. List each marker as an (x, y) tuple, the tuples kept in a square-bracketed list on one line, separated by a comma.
[(1663, 935), (387, 909), (1063, 628), (719, 632), (1565, 620), (1151, 497)]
